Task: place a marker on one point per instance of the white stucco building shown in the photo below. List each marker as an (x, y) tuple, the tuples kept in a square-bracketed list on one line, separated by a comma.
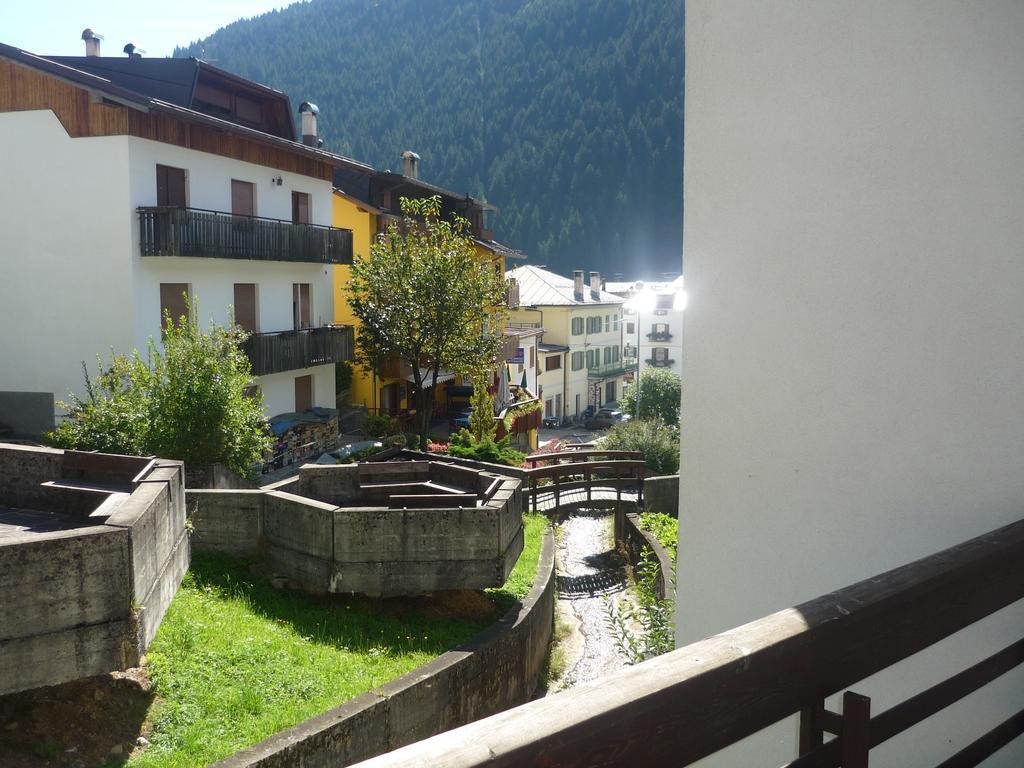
[(583, 318), (132, 181), (854, 394), (653, 317)]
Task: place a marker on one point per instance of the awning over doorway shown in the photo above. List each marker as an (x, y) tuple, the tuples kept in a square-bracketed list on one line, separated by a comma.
[(442, 377)]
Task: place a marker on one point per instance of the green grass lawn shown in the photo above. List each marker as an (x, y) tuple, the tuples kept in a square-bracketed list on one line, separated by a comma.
[(236, 660)]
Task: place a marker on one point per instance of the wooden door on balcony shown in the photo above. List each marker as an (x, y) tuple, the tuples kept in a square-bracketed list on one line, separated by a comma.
[(170, 186), (303, 393), (300, 305), (243, 198), (245, 306), (300, 208)]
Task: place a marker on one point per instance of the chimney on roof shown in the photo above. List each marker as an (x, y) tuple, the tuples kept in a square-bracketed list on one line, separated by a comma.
[(577, 285), (410, 164), (92, 42), (595, 286), (309, 111)]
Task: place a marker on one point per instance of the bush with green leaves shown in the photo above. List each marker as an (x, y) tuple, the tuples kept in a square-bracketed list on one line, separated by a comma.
[(658, 442), (189, 401), (378, 424), (464, 445), (643, 629), (664, 528), (659, 390)]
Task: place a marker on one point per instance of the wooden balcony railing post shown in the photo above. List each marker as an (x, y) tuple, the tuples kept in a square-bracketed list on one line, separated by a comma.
[(855, 739)]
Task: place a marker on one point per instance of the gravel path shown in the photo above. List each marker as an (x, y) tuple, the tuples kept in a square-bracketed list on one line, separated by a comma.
[(589, 573)]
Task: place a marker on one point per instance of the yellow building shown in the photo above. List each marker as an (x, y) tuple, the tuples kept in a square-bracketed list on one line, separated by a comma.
[(364, 202)]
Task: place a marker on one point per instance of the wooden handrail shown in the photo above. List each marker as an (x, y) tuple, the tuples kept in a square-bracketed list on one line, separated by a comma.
[(634, 467), (690, 703), (557, 456)]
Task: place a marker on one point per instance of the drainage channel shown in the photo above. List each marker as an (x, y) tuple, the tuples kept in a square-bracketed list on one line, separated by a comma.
[(590, 574)]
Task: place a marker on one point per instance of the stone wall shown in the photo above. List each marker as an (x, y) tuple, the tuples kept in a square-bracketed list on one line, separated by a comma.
[(494, 671), (661, 494)]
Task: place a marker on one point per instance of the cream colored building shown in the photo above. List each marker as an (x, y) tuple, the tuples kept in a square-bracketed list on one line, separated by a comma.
[(853, 355), (583, 318)]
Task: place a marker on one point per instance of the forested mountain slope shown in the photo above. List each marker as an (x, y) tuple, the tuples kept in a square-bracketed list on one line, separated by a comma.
[(566, 114)]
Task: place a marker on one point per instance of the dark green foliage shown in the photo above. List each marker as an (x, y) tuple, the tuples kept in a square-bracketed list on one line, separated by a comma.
[(660, 391), (187, 402), (377, 424), (658, 443), (566, 114), (465, 446)]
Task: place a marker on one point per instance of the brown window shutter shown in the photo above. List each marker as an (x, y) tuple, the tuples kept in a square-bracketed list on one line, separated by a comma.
[(245, 306), (173, 301), (300, 208), (303, 393), (170, 186), (243, 198)]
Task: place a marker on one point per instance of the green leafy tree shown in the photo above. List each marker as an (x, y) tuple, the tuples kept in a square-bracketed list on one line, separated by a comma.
[(188, 402), (659, 392), (658, 442), (425, 296)]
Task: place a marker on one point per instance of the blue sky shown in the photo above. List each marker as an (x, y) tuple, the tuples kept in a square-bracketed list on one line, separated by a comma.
[(55, 26)]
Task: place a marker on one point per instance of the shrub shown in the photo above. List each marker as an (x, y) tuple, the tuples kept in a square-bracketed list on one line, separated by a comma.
[(465, 446), (664, 528), (658, 443), (377, 424), (188, 402)]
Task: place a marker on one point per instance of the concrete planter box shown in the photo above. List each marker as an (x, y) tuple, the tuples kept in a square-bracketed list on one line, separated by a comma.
[(381, 528), (92, 549)]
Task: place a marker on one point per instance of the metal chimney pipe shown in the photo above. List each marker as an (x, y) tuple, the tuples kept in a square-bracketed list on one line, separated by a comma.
[(410, 164), (309, 112), (92, 42)]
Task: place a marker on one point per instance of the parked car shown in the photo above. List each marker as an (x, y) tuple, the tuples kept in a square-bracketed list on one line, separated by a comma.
[(462, 420), (604, 418)]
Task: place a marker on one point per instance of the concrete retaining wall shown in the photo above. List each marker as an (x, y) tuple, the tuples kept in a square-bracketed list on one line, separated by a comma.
[(323, 547), (636, 538), (83, 601), (661, 494), (496, 670)]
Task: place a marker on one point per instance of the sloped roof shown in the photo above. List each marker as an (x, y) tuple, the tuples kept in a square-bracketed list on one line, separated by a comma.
[(106, 87), (540, 288)]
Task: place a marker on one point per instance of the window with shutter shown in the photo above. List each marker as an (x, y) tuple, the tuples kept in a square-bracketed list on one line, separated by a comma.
[(245, 306), (173, 302), (170, 186)]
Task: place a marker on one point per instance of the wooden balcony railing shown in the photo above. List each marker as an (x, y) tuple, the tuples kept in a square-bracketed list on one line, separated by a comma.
[(678, 708), (291, 350), (170, 231)]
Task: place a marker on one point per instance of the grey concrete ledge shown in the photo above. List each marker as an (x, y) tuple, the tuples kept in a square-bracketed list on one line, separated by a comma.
[(661, 494), (637, 538), (495, 670)]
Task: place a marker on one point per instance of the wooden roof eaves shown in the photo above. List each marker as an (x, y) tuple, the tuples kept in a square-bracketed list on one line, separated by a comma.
[(362, 205), (101, 88)]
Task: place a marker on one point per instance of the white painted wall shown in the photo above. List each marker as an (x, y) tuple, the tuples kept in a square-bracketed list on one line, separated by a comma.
[(212, 282), (853, 359), (65, 253), (74, 284), (279, 389)]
